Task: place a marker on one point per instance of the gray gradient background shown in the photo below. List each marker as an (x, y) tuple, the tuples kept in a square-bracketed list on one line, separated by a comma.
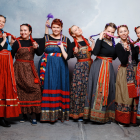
[(90, 15)]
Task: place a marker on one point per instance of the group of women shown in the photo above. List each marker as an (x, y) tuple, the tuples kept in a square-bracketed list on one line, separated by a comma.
[(93, 94)]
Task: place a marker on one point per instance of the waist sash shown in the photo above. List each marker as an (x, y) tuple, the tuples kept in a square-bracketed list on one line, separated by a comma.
[(103, 79), (83, 60)]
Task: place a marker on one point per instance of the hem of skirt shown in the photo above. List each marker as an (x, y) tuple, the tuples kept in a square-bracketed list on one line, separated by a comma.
[(99, 116), (14, 116), (76, 116), (102, 120), (53, 120), (125, 117), (54, 116), (10, 112), (86, 113), (34, 109)]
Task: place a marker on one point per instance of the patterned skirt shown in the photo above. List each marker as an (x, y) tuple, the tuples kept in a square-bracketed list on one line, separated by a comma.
[(9, 103), (94, 108), (29, 92), (79, 89), (125, 107)]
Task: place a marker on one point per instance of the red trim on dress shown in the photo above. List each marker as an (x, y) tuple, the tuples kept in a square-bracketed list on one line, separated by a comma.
[(56, 92)]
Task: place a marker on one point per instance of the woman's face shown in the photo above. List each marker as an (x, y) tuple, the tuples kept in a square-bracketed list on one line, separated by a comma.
[(123, 33), (2, 22), (138, 32), (24, 32), (56, 29), (76, 31), (110, 30)]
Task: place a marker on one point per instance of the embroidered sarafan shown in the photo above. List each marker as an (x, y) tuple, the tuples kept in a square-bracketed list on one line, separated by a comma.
[(54, 77)]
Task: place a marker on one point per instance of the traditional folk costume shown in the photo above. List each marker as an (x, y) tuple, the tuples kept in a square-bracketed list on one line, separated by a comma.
[(138, 82), (28, 83), (9, 103), (100, 98), (54, 77), (126, 99), (80, 80)]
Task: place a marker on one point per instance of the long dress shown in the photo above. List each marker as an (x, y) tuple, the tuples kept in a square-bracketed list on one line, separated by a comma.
[(54, 77), (100, 98), (138, 83), (28, 83), (79, 81), (9, 103), (125, 105)]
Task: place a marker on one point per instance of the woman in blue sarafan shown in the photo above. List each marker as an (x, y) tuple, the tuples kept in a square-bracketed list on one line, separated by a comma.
[(54, 74)]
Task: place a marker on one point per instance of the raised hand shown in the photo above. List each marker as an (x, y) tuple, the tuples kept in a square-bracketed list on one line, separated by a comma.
[(91, 39), (12, 40), (35, 45), (4, 36), (76, 50), (47, 24), (102, 35)]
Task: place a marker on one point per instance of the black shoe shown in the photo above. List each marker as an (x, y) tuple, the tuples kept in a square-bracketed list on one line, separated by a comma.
[(4, 123)]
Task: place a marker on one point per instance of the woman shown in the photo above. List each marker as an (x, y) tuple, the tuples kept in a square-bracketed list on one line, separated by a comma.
[(9, 106), (28, 83), (126, 100), (99, 104), (54, 75), (137, 31), (82, 51)]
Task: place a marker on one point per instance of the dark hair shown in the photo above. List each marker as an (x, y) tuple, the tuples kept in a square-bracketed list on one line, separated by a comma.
[(136, 28), (28, 25), (111, 25), (30, 29), (57, 22), (3, 17)]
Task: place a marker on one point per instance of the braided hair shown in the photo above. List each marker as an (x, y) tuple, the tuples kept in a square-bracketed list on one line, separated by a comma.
[(75, 41), (30, 29)]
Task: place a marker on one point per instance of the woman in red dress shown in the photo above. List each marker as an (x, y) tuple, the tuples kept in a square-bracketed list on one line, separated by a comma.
[(9, 104)]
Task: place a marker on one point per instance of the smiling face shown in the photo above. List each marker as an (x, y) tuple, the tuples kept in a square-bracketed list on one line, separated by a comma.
[(56, 29), (24, 32), (110, 30), (2, 22), (76, 31), (138, 32), (123, 33)]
